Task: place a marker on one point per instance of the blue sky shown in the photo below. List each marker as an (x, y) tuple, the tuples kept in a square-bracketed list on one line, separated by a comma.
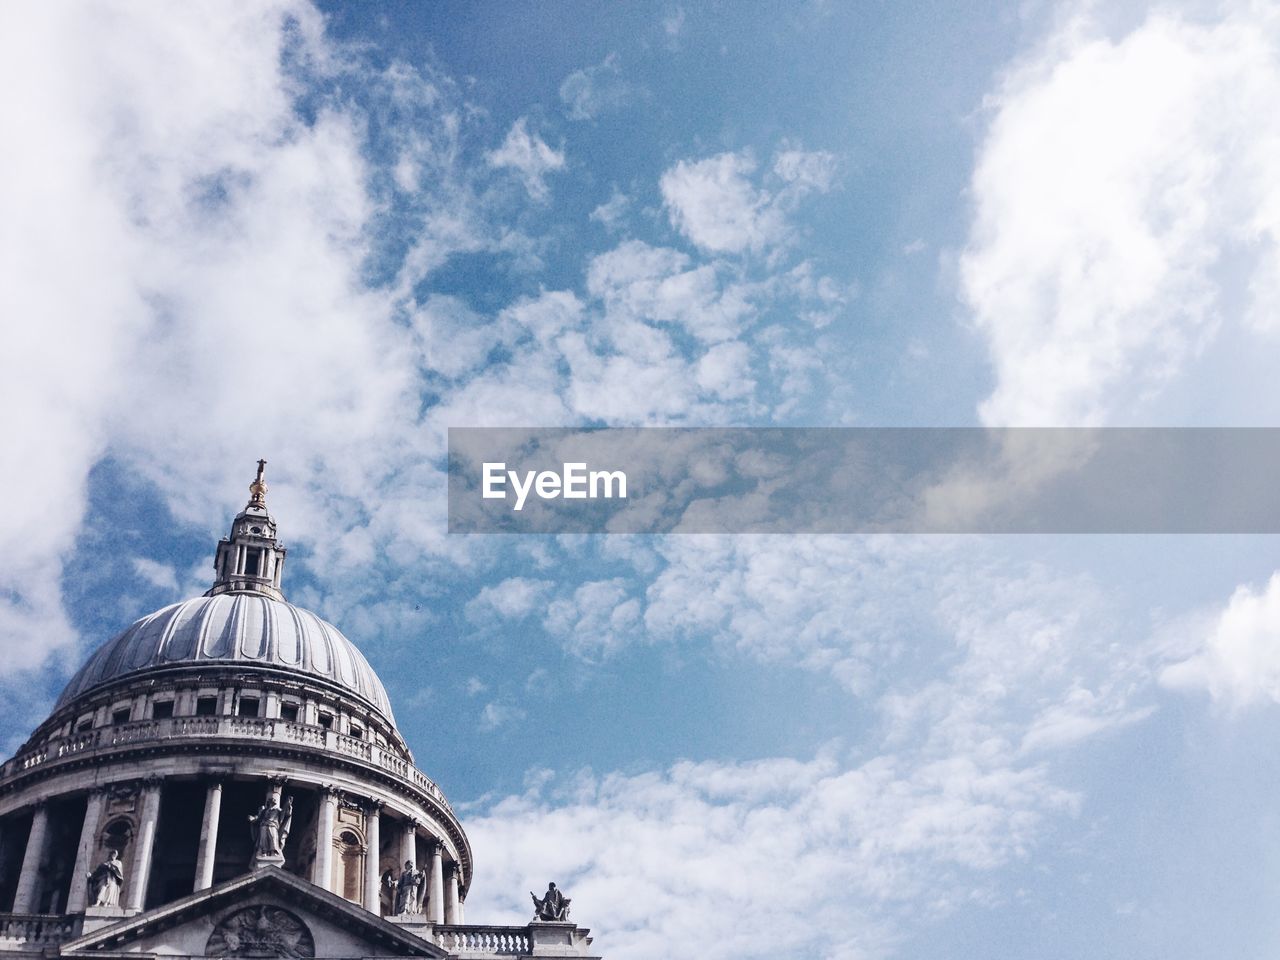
[(323, 235)]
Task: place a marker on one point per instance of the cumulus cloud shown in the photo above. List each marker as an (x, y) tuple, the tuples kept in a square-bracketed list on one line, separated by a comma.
[(511, 599), (591, 91), (718, 206), (714, 203), (1126, 214), (1238, 662), (597, 619), (529, 156)]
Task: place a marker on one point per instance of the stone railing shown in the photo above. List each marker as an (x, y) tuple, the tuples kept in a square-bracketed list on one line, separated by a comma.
[(37, 929), (484, 941), (223, 727), (537, 939)]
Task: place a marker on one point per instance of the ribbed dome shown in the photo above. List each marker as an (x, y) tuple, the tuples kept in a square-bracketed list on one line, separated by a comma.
[(233, 629)]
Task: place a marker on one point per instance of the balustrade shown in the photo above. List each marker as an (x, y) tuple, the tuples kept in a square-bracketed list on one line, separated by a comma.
[(38, 929), (510, 941), (231, 727)]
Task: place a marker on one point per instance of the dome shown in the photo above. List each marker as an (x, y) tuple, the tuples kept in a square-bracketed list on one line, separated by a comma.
[(233, 629)]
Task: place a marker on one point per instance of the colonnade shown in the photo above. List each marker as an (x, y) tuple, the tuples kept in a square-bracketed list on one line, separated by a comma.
[(441, 903)]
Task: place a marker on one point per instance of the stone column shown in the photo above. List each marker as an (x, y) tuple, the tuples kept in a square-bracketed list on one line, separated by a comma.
[(451, 895), (78, 896), (275, 788), (322, 873), (435, 886), (140, 867), (24, 900), (409, 845), (373, 839), (208, 836)]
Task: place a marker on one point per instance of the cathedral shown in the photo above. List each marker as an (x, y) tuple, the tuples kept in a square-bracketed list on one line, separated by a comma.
[(225, 779)]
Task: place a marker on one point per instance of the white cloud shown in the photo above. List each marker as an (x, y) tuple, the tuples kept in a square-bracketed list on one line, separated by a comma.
[(220, 240), (714, 203), (598, 619), (548, 315), (452, 338), (725, 371), (612, 211), (511, 599), (1126, 210), (529, 156), (160, 575), (1238, 662), (979, 672), (498, 714), (722, 860), (806, 169), (591, 91), (657, 284), (149, 145)]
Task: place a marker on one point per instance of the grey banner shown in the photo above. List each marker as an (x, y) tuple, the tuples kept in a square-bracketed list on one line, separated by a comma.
[(868, 480)]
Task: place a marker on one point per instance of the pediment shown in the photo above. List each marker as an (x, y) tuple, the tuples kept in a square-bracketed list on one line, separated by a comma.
[(267, 913)]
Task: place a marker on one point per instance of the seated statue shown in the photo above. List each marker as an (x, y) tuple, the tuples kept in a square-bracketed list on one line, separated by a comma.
[(554, 905), (106, 880)]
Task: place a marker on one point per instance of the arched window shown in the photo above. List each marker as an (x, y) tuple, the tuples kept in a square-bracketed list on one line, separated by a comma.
[(117, 834)]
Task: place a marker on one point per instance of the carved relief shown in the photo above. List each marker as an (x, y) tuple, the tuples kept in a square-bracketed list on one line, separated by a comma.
[(349, 811), (122, 798), (260, 931)]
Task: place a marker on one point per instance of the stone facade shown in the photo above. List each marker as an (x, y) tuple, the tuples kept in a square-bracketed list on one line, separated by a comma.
[(241, 759)]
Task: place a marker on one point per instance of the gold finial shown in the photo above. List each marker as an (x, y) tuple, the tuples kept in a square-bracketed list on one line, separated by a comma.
[(258, 489)]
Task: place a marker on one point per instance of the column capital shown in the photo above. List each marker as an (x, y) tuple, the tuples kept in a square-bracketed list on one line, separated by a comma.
[(329, 791), (152, 781), (412, 824), (279, 779), (374, 805)]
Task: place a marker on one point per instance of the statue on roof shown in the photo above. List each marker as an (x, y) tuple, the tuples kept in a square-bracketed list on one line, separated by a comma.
[(553, 905)]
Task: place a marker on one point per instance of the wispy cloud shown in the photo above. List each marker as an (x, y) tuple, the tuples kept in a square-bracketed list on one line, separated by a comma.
[(595, 90), (530, 157)]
